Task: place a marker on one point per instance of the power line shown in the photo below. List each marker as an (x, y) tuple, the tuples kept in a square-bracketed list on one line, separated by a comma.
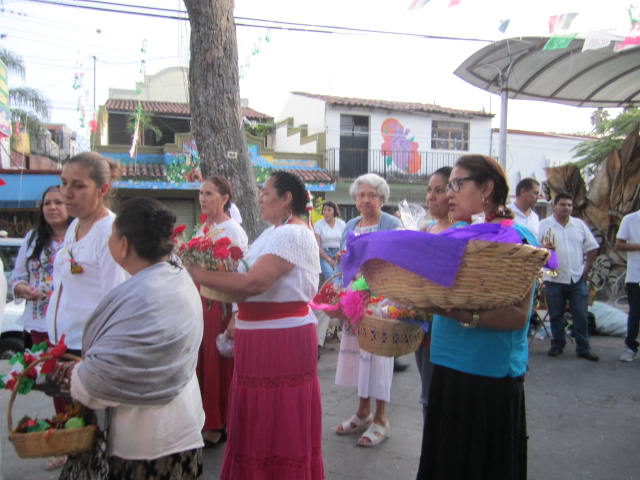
[(265, 23)]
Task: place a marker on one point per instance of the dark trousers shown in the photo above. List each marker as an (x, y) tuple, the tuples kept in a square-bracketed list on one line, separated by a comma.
[(577, 294), (633, 320)]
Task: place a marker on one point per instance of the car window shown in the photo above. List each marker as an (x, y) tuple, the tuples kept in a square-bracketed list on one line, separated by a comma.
[(8, 253)]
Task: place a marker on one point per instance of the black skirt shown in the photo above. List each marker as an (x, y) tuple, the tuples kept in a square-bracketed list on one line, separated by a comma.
[(475, 428)]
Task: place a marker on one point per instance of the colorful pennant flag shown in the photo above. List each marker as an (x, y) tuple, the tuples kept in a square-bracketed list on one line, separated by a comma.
[(558, 23), (559, 41), (504, 24), (596, 40), (416, 4), (453, 3), (632, 40)]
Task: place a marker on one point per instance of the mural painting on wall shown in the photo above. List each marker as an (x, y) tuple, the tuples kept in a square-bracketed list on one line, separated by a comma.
[(185, 166), (399, 148)]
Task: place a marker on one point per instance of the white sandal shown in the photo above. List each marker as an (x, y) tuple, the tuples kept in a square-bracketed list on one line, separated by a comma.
[(376, 434), (348, 427)]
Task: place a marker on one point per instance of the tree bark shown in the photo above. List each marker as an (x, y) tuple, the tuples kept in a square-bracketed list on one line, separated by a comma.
[(216, 114)]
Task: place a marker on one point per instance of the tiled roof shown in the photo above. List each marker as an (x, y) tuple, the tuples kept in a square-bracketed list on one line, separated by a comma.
[(391, 105), (158, 172), (171, 108)]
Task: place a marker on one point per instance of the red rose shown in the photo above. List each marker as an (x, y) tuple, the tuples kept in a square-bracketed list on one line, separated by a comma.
[(193, 243), (221, 251), (205, 244), (178, 230), (182, 247), (203, 217), (236, 253), (206, 230), (223, 242)]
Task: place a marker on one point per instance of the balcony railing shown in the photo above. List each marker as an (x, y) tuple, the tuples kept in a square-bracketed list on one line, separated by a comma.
[(401, 166)]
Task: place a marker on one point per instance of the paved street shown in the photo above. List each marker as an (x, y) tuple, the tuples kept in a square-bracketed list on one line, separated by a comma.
[(583, 420)]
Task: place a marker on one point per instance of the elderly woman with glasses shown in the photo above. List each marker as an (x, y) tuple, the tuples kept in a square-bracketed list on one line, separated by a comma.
[(476, 424), (370, 373)]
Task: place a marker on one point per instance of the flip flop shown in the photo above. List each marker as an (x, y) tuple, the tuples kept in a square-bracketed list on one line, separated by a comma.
[(354, 425), (376, 434)]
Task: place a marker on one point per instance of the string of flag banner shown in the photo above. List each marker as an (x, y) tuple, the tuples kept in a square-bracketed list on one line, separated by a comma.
[(561, 34), (136, 129), (243, 67)]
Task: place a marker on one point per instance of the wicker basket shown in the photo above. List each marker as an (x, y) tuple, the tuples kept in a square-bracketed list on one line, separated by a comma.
[(491, 274), (388, 337), (218, 296), (50, 442), (338, 313)]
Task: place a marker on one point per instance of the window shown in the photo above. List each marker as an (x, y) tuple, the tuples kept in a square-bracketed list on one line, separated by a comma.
[(449, 135)]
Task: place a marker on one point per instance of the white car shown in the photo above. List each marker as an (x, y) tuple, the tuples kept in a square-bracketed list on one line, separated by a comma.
[(12, 334)]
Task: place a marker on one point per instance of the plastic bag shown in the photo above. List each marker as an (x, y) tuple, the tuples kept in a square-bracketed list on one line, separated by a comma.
[(225, 345), (412, 215)]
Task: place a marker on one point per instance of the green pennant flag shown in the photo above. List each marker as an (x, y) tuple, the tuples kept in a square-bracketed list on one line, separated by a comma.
[(559, 42)]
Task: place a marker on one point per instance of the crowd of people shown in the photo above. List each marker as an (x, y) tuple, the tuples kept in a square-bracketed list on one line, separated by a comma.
[(111, 286)]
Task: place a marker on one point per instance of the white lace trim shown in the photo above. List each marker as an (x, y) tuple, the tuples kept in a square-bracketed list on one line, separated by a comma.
[(294, 243)]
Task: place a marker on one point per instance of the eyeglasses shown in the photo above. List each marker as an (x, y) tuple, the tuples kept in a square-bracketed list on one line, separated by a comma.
[(455, 184)]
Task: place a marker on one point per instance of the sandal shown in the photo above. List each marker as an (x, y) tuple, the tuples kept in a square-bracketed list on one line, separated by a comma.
[(376, 434), (55, 462), (354, 425)]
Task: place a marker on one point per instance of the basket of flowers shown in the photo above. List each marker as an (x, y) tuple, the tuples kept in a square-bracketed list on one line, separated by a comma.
[(328, 298), (384, 327), (219, 255), (65, 433)]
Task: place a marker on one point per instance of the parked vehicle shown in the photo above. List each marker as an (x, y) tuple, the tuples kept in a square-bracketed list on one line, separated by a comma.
[(12, 334)]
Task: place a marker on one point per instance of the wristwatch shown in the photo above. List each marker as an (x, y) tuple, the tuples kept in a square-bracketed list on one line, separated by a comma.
[(475, 319)]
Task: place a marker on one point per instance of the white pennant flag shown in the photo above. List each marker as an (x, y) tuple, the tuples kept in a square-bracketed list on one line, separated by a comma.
[(596, 40)]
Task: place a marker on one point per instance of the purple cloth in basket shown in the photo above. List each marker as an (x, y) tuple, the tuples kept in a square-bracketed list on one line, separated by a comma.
[(434, 257)]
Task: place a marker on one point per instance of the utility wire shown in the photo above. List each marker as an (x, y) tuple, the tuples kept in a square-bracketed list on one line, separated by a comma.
[(265, 23)]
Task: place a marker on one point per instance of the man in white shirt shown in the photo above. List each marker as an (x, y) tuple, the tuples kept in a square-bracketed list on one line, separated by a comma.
[(628, 240), (576, 248), (527, 192)]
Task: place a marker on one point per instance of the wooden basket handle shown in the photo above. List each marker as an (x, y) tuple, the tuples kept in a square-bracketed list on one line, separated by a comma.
[(21, 376), (335, 275)]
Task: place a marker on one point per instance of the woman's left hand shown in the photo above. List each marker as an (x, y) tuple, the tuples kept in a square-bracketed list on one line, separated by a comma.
[(62, 374)]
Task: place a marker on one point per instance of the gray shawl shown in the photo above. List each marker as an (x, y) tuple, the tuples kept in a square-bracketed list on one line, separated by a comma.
[(140, 346)]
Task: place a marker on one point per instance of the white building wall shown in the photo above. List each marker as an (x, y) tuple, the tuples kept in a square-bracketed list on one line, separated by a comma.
[(416, 128), (304, 111), (529, 153), (168, 85)]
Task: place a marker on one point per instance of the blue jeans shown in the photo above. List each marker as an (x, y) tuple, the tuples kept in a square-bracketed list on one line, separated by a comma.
[(577, 294), (633, 320), (328, 270)]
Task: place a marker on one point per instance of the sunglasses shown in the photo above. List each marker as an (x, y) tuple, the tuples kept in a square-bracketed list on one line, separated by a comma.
[(455, 184)]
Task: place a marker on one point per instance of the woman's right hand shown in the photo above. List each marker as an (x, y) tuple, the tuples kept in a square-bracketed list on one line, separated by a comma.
[(23, 290)]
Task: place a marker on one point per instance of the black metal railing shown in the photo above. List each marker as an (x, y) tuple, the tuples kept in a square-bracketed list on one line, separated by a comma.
[(402, 166)]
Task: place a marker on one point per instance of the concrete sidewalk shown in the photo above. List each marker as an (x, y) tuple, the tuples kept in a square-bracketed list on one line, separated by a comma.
[(583, 420)]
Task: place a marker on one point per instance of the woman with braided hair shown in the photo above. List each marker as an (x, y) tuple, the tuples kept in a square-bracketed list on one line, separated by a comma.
[(274, 420)]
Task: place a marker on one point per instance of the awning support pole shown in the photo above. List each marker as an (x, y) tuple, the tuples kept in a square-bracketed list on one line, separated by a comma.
[(502, 143)]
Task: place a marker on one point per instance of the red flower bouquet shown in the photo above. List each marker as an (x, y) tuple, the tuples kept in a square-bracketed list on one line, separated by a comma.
[(219, 255)]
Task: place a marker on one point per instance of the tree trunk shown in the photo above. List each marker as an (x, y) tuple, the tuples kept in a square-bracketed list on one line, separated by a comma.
[(216, 115)]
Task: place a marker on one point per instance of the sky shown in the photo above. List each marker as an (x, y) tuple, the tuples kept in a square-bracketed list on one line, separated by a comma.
[(59, 43)]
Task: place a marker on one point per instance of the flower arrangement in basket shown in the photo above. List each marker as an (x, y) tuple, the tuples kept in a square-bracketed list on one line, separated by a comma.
[(328, 299), (65, 433), (219, 255)]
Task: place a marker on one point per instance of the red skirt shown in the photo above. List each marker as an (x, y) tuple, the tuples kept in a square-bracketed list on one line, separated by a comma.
[(275, 410), (214, 371)]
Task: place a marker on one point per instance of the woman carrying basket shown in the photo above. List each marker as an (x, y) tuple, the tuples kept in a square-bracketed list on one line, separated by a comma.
[(139, 354), (476, 425), (370, 374)]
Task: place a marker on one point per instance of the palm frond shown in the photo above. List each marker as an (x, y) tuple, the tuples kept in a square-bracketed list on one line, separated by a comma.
[(13, 62), (27, 97)]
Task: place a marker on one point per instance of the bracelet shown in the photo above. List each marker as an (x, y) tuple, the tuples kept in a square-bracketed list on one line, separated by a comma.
[(475, 319)]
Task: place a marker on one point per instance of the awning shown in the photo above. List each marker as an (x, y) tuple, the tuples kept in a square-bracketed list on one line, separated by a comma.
[(594, 78), (24, 190)]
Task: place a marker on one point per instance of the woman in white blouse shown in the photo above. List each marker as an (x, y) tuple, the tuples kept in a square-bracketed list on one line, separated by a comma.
[(329, 235)]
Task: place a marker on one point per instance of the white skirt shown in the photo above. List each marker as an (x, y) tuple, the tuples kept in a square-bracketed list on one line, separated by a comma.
[(371, 374)]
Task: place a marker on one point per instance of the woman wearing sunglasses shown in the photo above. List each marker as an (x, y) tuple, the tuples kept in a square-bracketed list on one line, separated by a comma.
[(476, 425)]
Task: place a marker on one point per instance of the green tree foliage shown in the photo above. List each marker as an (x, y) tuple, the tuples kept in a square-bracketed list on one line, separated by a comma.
[(610, 132), (28, 106), (146, 125)]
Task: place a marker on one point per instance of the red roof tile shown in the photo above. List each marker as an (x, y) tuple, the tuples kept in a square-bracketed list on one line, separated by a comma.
[(391, 105), (171, 108)]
